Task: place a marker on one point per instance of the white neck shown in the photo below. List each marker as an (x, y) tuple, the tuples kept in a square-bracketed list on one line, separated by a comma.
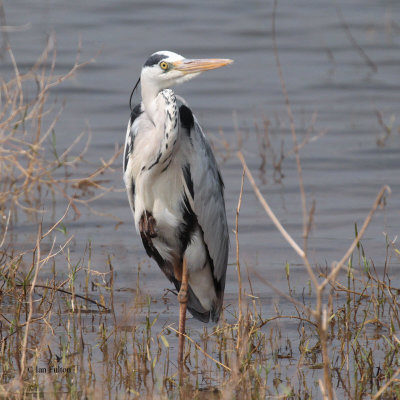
[(163, 111), (149, 95)]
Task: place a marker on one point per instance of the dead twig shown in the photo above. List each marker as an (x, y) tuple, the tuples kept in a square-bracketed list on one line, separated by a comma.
[(353, 41)]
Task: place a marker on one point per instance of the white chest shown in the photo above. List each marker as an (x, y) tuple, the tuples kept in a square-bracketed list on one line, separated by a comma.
[(160, 194)]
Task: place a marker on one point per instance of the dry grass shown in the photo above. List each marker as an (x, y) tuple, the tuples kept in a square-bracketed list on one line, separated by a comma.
[(53, 322), (30, 164)]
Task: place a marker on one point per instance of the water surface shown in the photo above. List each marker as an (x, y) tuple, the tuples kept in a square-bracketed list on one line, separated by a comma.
[(325, 75)]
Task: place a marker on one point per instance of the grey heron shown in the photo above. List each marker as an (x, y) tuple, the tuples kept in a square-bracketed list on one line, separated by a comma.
[(175, 188)]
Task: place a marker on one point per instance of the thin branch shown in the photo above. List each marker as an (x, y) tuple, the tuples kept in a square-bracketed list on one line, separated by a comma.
[(268, 210), (336, 268), (353, 41), (291, 119), (57, 289), (302, 319), (276, 222), (57, 223), (37, 267), (237, 249)]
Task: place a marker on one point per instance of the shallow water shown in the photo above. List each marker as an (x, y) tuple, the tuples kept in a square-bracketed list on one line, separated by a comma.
[(325, 74)]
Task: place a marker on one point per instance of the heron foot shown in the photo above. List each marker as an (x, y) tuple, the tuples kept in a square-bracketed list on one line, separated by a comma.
[(152, 226), (148, 225)]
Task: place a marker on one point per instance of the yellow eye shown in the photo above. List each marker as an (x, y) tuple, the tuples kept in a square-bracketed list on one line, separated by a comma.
[(164, 65)]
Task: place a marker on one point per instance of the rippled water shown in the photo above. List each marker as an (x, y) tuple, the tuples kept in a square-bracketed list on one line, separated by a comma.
[(325, 75)]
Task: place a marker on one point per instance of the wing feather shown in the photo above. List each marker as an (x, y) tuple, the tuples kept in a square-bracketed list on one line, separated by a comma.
[(207, 193), (131, 133)]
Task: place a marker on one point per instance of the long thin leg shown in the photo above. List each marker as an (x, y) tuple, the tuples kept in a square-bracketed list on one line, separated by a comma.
[(182, 298)]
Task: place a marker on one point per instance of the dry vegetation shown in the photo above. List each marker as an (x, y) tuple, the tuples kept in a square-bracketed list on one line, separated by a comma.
[(31, 166), (346, 347), (69, 324)]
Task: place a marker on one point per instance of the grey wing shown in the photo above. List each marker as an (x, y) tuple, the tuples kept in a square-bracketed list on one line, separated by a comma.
[(131, 133), (208, 200)]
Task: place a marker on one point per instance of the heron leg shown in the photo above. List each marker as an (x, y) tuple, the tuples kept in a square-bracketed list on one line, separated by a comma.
[(183, 299)]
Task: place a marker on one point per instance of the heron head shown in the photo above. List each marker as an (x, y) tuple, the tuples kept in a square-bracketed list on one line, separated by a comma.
[(164, 69)]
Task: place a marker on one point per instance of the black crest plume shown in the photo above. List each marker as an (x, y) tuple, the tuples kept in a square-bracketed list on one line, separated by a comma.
[(133, 91)]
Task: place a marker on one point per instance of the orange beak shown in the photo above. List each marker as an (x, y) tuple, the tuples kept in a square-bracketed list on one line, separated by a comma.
[(191, 66)]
